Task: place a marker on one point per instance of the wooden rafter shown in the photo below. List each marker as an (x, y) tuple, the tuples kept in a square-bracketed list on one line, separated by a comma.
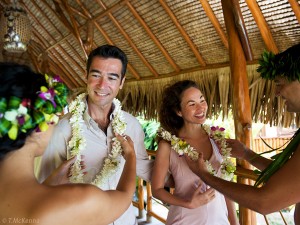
[(75, 28), (88, 43), (153, 37), (137, 51), (130, 68), (106, 37), (296, 8), (57, 58), (33, 59), (262, 26), (59, 70), (41, 37), (209, 12), (242, 31), (183, 33), (114, 7)]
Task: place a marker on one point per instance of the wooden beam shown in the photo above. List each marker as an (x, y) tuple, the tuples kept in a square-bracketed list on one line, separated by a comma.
[(262, 26), (33, 59), (210, 14), (58, 70), (183, 33), (75, 28), (130, 68), (65, 73), (88, 42), (296, 8), (133, 46), (242, 31), (59, 47), (240, 89), (109, 41), (114, 7), (153, 37)]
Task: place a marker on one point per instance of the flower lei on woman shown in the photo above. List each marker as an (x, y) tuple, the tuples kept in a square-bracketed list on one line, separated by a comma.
[(217, 134), (19, 115), (77, 143)]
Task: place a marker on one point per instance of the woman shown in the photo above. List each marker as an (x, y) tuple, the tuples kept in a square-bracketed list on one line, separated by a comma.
[(29, 103), (182, 113)]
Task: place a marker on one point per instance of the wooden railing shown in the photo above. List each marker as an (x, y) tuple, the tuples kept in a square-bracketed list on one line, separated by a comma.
[(258, 146)]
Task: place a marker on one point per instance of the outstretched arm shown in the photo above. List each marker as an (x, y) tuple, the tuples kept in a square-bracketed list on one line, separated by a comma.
[(280, 191), (113, 203)]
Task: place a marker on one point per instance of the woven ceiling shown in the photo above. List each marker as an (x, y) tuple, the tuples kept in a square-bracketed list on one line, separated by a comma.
[(165, 40)]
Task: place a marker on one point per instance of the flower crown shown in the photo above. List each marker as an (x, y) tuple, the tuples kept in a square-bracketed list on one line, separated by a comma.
[(285, 64), (18, 114)]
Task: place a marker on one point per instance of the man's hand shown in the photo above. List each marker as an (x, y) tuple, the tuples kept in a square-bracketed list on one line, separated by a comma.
[(198, 166)]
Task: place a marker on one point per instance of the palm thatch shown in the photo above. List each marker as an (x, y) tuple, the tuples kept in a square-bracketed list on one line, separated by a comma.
[(165, 40)]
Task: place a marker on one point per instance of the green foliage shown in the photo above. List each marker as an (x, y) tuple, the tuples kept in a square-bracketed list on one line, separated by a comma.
[(286, 64), (150, 128), (279, 161)]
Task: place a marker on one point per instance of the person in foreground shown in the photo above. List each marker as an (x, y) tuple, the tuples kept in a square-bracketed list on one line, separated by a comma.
[(88, 130), (278, 185), (182, 115), (29, 103)]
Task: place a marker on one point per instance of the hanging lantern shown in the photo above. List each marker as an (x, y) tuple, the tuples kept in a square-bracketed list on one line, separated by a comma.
[(15, 29)]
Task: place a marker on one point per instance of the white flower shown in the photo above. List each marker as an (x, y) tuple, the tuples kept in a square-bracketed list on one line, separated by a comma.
[(11, 115), (182, 147)]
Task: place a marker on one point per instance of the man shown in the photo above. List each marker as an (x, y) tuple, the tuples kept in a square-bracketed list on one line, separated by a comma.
[(88, 130), (281, 184)]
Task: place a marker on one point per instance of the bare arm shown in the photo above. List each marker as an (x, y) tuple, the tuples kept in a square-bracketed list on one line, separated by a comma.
[(159, 174), (232, 216), (271, 197), (241, 151), (113, 203)]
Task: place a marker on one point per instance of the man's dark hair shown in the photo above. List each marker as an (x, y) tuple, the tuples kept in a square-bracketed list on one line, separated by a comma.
[(108, 51)]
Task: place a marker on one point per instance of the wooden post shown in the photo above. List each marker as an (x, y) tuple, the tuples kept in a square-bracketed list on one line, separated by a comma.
[(240, 87)]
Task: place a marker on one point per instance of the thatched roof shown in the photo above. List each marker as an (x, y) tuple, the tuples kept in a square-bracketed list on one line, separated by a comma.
[(165, 40)]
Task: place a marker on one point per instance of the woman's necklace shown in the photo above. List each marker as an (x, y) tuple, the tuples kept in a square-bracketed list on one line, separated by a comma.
[(217, 134), (77, 143)]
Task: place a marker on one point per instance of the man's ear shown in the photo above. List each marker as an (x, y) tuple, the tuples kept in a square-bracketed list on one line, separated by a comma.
[(122, 82)]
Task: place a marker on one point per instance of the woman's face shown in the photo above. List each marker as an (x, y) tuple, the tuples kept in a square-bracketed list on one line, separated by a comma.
[(193, 106)]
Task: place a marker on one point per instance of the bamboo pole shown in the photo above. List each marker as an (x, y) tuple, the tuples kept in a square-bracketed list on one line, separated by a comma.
[(241, 98)]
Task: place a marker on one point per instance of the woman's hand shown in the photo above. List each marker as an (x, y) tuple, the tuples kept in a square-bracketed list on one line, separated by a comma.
[(127, 145), (200, 198), (61, 174)]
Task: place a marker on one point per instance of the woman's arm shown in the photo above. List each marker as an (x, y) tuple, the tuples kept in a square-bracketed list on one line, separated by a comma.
[(232, 216), (161, 166)]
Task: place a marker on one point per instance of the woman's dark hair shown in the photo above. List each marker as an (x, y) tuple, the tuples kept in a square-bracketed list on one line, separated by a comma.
[(170, 104), (18, 81), (108, 51)]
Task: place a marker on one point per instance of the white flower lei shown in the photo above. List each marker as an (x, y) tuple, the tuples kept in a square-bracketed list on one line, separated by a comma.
[(217, 134), (77, 143)]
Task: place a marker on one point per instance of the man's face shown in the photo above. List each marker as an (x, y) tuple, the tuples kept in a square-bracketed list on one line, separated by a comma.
[(104, 81), (290, 92)]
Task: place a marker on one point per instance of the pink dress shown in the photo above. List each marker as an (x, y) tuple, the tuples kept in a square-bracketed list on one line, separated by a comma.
[(213, 213)]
